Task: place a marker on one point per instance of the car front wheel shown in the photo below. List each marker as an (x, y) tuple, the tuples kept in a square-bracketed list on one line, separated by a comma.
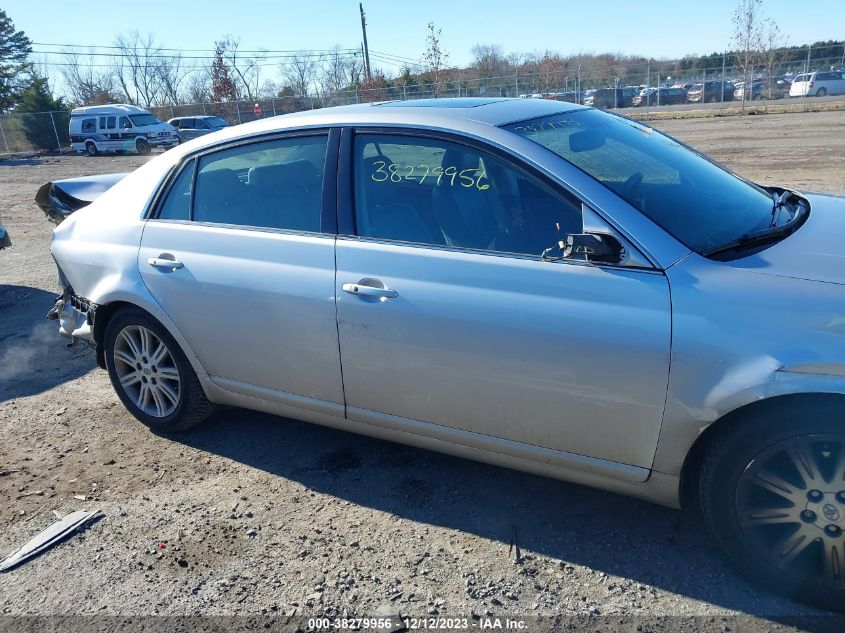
[(772, 491), (91, 148), (151, 375), (142, 147)]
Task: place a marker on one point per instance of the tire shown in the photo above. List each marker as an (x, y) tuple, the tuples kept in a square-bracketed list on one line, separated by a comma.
[(142, 147), (821, 92), (91, 148), (173, 399), (778, 523)]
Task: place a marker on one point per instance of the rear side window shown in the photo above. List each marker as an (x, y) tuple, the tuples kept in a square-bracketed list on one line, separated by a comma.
[(273, 184), (177, 204), (436, 192), (89, 125)]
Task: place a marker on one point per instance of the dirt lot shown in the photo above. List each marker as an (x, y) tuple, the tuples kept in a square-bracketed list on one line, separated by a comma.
[(252, 514)]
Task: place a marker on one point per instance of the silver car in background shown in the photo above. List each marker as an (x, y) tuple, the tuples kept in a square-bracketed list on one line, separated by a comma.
[(191, 127), (525, 282)]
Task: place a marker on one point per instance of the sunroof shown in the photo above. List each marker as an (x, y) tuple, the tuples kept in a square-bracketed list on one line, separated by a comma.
[(458, 102)]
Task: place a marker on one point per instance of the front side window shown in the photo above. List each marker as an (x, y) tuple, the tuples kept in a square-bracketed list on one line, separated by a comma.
[(141, 120), (701, 204), (272, 184), (436, 192), (125, 124)]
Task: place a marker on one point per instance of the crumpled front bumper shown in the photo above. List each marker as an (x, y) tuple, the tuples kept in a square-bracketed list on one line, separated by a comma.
[(75, 316)]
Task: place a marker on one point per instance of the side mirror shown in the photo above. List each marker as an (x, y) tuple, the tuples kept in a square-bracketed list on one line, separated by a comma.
[(599, 248)]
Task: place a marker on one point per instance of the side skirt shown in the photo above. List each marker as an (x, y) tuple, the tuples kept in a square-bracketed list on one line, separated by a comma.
[(611, 476)]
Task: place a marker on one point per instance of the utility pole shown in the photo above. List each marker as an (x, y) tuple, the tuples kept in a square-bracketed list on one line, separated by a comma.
[(367, 74)]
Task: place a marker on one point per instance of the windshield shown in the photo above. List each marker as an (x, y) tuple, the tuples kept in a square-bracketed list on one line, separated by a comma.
[(702, 205), (216, 121), (141, 120)]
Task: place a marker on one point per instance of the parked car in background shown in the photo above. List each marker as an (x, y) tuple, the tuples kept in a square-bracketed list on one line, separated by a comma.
[(570, 96), (189, 127), (5, 240), (818, 84), (659, 96), (605, 98), (711, 92), (763, 88), (118, 128), (526, 282)]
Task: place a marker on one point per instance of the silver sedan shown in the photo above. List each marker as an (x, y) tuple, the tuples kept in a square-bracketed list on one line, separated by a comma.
[(524, 282)]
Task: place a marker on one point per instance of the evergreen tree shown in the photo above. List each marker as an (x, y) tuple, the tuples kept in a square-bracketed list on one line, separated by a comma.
[(35, 104), (15, 48)]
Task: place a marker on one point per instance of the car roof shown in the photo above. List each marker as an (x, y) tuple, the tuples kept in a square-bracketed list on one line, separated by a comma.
[(112, 108), (422, 112)]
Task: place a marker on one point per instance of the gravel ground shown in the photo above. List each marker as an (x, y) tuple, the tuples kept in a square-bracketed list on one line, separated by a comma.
[(256, 515)]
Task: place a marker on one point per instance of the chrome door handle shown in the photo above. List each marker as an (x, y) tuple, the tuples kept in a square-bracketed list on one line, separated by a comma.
[(161, 262), (369, 291)]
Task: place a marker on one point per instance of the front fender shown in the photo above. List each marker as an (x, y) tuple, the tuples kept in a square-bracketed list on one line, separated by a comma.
[(740, 338)]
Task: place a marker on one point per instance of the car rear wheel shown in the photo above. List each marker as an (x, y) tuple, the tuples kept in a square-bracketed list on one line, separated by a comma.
[(151, 375), (142, 146), (772, 491), (821, 92), (91, 148)]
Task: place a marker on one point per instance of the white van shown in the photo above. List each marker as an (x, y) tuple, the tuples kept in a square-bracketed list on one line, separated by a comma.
[(818, 84), (118, 128)]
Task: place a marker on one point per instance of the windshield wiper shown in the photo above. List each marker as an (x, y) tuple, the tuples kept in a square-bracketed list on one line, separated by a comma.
[(767, 235)]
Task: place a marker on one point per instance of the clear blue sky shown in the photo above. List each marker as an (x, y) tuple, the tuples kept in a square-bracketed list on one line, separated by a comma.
[(656, 28)]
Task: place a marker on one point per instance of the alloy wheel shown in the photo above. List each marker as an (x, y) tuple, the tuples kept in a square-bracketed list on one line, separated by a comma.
[(147, 371), (790, 504)]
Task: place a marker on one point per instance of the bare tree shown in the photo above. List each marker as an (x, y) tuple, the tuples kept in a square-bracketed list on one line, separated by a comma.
[(140, 66), (774, 43), (86, 82), (747, 37), (489, 60), (435, 58), (339, 71), (198, 85), (299, 74)]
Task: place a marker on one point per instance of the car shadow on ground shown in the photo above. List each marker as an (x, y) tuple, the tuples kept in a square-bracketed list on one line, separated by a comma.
[(606, 532), (33, 356)]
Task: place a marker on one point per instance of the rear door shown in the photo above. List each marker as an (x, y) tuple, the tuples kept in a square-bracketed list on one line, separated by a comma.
[(448, 315), (240, 254)]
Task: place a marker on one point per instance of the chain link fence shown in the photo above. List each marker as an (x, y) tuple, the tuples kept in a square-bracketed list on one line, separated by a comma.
[(27, 132)]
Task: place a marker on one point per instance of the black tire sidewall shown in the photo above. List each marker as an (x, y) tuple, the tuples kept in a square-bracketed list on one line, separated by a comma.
[(142, 147), (821, 92), (172, 422), (88, 147), (720, 479)]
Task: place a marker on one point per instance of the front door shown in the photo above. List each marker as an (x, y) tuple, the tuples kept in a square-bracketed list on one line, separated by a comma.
[(448, 315), (241, 266)]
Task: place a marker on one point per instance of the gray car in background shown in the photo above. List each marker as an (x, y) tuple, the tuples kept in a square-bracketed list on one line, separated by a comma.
[(190, 127), (526, 282)]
